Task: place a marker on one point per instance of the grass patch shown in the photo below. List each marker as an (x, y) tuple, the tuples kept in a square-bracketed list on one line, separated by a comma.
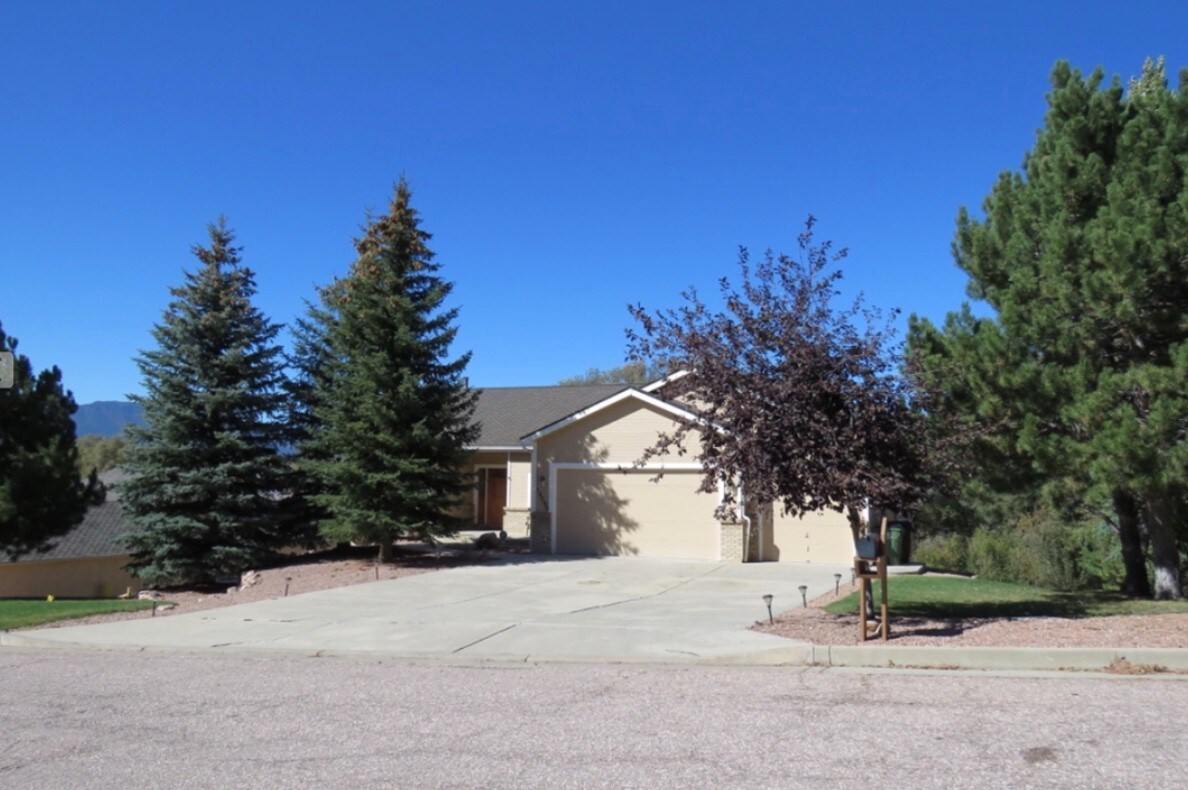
[(21, 613), (940, 597)]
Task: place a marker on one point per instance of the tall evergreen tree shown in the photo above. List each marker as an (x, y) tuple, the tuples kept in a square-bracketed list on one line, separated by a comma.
[(1084, 258), (392, 411), (41, 495), (208, 483), (310, 379)]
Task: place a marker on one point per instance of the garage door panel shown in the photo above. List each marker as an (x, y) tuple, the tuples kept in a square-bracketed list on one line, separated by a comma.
[(611, 512)]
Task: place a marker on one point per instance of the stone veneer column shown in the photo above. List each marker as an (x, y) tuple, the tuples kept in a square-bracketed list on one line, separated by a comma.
[(517, 522), (731, 538), (541, 529)]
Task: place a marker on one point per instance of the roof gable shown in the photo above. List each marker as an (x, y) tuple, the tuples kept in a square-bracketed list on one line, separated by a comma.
[(627, 394)]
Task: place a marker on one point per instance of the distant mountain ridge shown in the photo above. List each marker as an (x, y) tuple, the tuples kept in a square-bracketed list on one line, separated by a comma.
[(106, 417)]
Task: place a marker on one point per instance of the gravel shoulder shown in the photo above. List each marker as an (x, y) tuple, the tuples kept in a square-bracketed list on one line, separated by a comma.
[(814, 624)]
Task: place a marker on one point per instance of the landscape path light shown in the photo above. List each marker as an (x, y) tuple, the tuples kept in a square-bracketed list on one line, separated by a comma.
[(804, 595), (287, 580), (767, 600), (836, 583)]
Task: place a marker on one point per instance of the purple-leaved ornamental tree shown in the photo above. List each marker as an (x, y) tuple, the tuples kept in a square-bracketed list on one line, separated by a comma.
[(798, 401)]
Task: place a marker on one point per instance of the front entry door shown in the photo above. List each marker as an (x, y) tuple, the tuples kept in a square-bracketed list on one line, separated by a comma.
[(496, 498)]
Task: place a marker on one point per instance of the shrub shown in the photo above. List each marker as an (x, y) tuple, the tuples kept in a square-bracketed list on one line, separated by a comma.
[(997, 554), (943, 553)]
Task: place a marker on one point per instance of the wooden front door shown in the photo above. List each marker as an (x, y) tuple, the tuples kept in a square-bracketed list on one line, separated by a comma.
[(495, 499)]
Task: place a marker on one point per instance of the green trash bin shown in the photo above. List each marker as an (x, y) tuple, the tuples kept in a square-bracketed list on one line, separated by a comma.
[(899, 542)]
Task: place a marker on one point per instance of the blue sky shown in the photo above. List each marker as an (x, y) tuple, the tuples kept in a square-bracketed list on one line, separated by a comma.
[(569, 158)]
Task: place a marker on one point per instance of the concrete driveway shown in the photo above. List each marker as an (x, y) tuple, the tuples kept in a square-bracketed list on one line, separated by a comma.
[(604, 609)]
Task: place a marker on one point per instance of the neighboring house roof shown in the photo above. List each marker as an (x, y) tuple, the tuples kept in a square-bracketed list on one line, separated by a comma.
[(505, 414), (112, 479), (97, 536)]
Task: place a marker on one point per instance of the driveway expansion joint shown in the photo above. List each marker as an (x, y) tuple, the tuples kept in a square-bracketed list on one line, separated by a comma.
[(485, 638), (681, 583)]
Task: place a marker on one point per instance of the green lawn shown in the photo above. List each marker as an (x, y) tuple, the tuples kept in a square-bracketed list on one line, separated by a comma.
[(20, 613), (931, 596)]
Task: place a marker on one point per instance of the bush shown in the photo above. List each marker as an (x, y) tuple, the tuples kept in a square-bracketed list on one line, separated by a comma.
[(1000, 556), (943, 553), (1040, 547)]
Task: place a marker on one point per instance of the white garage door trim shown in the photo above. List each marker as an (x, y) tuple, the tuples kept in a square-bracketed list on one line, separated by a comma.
[(555, 466)]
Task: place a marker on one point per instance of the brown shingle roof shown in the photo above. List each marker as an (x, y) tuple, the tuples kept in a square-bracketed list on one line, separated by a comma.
[(505, 414)]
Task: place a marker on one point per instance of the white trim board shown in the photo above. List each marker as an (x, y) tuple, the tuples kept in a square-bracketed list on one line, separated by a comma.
[(671, 377)]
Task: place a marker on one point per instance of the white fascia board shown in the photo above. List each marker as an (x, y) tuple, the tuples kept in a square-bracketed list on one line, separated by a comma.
[(655, 385), (618, 397), (629, 466), (512, 448)]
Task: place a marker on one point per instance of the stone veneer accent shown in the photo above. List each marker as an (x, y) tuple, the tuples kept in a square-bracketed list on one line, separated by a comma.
[(540, 533), (517, 522), (732, 542)]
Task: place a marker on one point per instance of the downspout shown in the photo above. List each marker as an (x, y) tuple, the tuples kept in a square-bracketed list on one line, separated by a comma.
[(746, 520)]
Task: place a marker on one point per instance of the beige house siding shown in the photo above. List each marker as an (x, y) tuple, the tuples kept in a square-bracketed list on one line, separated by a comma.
[(822, 537), (618, 434), (616, 509), (88, 577)]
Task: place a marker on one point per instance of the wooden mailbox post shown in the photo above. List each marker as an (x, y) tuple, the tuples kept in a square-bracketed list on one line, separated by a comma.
[(866, 570)]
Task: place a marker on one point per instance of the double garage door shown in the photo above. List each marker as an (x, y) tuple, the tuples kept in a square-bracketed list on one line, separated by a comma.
[(610, 512)]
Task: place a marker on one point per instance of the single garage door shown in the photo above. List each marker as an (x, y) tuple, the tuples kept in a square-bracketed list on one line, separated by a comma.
[(612, 512)]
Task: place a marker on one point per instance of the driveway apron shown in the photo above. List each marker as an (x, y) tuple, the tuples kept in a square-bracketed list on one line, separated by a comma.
[(580, 609)]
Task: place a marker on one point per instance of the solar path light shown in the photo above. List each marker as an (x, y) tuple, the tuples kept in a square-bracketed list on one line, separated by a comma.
[(836, 583), (767, 600), (287, 580), (803, 594)]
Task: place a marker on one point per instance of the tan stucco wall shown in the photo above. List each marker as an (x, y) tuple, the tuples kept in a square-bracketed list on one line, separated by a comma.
[(612, 512), (91, 577), (618, 434), (822, 537)]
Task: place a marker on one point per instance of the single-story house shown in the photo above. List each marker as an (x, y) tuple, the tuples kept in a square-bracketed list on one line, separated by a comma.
[(87, 562), (557, 465)]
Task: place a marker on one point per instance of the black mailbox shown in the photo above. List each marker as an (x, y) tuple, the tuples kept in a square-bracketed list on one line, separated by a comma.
[(868, 547)]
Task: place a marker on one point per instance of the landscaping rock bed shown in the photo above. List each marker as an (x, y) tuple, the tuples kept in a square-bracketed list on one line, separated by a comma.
[(307, 573), (814, 624)]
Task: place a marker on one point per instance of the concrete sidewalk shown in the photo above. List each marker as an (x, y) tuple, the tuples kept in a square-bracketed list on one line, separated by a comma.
[(598, 610)]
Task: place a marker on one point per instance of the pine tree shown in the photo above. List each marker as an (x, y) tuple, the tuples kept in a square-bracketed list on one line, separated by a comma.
[(207, 491), (392, 412), (41, 495), (310, 367), (1084, 258)]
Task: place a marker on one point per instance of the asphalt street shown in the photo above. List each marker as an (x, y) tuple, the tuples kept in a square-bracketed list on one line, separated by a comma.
[(131, 720)]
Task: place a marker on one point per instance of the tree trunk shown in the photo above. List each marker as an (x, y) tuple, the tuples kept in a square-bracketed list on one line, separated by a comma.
[(385, 552), (855, 518), (1137, 584), (1165, 553)]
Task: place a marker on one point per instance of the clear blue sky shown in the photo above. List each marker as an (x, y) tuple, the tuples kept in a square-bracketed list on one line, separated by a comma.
[(569, 158)]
